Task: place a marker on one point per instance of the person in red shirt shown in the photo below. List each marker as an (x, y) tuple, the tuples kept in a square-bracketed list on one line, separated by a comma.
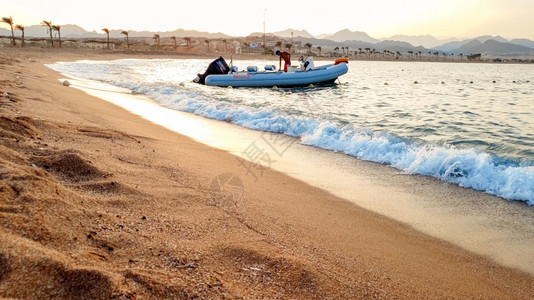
[(287, 59)]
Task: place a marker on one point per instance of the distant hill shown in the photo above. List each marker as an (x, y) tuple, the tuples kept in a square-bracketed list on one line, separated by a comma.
[(427, 41), (469, 47), (497, 38), (287, 33), (447, 47), (347, 35), (523, 42), (399, 46), (180, 33), (357, 45), (75, 31), (332, 44), (493, 47), (42, 31)]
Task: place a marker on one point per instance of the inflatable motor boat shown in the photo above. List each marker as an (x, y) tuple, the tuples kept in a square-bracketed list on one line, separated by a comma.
[(220, 74)]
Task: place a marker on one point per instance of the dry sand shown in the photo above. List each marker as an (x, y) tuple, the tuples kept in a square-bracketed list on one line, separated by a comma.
[(98, 203)]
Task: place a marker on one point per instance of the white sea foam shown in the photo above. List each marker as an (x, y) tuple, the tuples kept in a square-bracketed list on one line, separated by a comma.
[(468, 167)]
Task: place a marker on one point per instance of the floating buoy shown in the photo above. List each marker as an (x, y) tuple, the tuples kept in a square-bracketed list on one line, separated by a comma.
[(494, 81), (443, 82), (181, 84), (385, 83), (470, 81), (514, 81), (66, 83), (310, 86), (415, 82), (230, 87), (275, 87)]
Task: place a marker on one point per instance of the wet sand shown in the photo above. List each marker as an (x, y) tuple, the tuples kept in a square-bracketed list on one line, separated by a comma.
[(96, 202)]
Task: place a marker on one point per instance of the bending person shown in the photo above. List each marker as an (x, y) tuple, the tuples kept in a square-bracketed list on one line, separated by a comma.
[(287, 59)]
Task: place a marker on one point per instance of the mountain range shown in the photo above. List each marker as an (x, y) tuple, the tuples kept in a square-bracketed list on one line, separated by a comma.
[(488, 45), (75, 31)]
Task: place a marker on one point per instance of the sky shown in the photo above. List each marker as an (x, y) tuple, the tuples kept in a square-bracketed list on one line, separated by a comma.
[(380, 19)]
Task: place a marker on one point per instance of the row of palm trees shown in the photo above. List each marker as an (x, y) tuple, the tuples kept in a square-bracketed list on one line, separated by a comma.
[(51, 28), (57, 28)]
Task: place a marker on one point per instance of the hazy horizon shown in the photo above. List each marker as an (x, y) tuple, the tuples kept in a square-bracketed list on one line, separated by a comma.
[(443, 20)]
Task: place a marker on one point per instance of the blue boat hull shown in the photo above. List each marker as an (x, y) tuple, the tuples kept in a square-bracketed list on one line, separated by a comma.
[(320, 75)]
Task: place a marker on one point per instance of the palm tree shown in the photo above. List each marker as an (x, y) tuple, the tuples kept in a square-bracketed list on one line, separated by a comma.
[(21, 28), (225, 48), (188, 41), (9, 21), (368, 50), (49, 30), (107, 32), (174, 39), (308, 45), (127, 42), (208, 43), (288, 46), (319, 48), (58, 29), (336, 49), (156, 39), (347, 48)]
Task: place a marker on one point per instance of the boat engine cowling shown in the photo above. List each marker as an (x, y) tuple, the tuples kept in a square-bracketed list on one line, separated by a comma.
[(218, 66)]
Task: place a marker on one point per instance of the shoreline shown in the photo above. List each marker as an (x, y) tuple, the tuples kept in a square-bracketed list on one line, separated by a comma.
[(476, 221), (284, 238)]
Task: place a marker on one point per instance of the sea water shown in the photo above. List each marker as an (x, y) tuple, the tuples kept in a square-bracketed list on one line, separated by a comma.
[(470, 124)]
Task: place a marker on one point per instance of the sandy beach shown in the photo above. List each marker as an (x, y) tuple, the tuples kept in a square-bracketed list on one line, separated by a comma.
[(96, 202)]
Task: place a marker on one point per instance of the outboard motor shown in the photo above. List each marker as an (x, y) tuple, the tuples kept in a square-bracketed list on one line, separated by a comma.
[(218, 66)]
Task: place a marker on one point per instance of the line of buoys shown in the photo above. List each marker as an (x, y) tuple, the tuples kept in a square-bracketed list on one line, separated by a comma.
[(442, 82)]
